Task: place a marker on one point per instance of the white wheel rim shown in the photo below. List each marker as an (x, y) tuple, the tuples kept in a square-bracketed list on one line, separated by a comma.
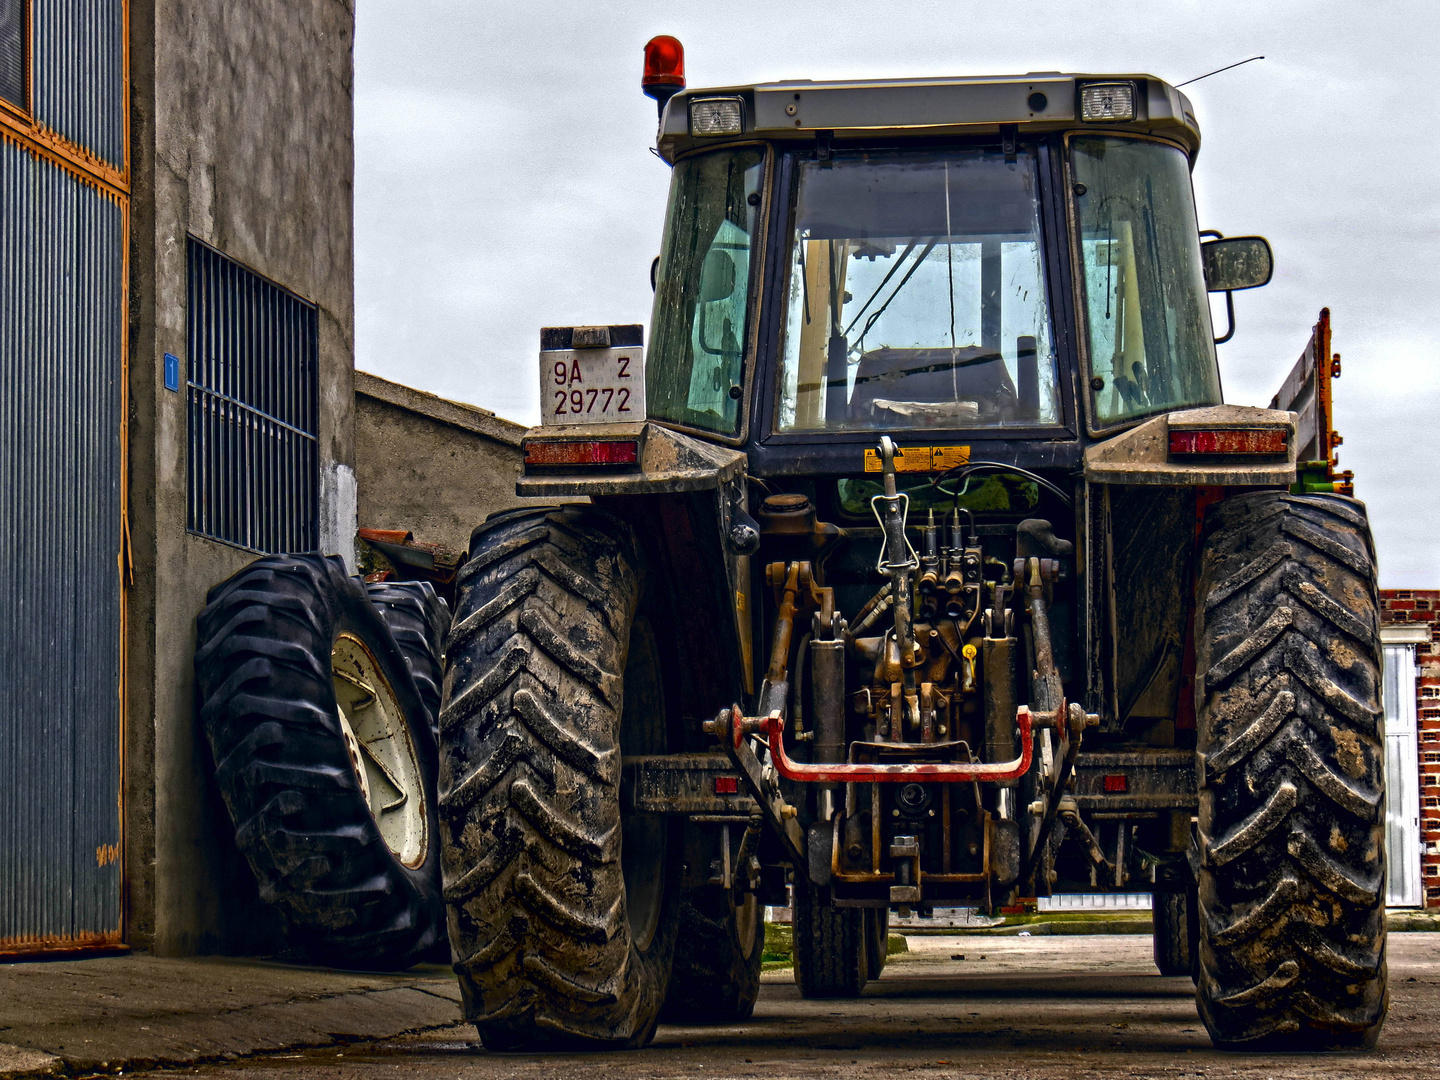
[(377, 741)]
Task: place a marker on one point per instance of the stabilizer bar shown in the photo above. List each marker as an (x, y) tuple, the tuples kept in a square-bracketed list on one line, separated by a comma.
[(732, 723)]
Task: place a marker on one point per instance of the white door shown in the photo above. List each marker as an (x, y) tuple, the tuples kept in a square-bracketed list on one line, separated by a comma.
[(1402, 781)]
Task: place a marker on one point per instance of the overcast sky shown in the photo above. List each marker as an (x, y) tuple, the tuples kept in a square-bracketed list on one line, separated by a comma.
[(504, 181)]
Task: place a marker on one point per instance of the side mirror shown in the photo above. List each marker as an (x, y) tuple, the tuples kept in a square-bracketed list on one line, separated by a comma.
[(717, 276), (1237, 262)]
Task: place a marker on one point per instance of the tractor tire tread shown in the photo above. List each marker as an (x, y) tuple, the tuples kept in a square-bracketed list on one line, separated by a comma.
[(713, 980), (267, 705), (1291, 756), (419, 620), (1171, 936), (830, 946), (530, 730)]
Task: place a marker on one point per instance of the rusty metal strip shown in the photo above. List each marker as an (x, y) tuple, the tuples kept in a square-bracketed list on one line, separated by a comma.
[(55, 148), (19, 123), (13, 949)]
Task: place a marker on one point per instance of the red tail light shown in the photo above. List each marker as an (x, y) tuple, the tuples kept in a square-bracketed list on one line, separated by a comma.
[(664, 67), (1228, 441), (582, 452)]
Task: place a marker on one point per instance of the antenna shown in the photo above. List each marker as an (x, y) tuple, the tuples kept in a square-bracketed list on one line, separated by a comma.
[(1217, 71)]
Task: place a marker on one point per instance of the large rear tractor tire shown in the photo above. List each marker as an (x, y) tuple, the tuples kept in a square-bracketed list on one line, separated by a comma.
[(830, 945), (1291, 757), (325, 759), (562, 908), (716, 977)]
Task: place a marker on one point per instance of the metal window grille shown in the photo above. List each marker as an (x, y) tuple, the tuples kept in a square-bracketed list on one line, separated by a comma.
[(12, 51), (253, 399)]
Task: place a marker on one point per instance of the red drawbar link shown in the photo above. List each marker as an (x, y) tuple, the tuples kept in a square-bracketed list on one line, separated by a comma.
[(934, 772), (727, 785), (1116, 782)]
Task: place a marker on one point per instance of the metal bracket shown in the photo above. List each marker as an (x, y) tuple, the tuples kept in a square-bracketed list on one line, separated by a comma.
[(763, 786)]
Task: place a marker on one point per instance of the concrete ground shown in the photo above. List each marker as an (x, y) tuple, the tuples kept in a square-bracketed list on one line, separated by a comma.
[(115, 1013), (1044, 1006)]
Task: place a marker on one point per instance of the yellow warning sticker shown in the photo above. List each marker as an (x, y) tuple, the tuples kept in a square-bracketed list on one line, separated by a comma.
[(921, 458), (948, 457)]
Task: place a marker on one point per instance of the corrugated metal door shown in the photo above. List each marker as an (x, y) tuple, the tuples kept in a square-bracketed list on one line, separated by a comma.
[(60, 243), (1402, 781), (63, 208)]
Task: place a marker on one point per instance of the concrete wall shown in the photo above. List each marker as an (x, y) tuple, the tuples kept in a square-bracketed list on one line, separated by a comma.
[(242, 121), (430, 465)]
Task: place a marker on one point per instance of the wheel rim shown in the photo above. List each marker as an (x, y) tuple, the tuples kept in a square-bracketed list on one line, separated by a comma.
[(747, 917), (644, 838), (377, 740)]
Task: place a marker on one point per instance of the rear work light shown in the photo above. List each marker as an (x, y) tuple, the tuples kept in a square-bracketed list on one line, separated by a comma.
[(1238, 441), (582, 452), (1112, 101), (717, 116)]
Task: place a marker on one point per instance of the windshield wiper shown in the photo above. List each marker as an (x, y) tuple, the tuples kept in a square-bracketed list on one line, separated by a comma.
[(903, 281), (883, 282)]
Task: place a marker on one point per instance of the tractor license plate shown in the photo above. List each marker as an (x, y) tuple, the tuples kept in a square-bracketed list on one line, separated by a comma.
[(592, 386)]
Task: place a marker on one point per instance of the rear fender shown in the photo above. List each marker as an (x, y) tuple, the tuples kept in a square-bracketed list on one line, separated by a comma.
[(1143, 455), (687, 502)]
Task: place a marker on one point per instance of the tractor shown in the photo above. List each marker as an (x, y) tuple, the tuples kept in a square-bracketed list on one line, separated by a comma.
[(914, 562)]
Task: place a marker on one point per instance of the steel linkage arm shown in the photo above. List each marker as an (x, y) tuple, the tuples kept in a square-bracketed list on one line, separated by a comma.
[(734, 724)]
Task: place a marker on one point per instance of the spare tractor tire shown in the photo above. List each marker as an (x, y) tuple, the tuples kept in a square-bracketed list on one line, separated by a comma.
[(418, 619), (563, 905), (716, 975), (324, 759), (1291, 753)]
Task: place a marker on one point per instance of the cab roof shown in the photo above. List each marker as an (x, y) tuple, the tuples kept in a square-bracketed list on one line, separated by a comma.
[(801, 110)]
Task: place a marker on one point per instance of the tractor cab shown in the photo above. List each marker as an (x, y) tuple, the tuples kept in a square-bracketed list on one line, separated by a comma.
[(1017, 263)]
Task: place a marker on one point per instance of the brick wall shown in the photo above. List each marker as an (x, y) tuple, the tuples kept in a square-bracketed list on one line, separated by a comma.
[(1401, 607)]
